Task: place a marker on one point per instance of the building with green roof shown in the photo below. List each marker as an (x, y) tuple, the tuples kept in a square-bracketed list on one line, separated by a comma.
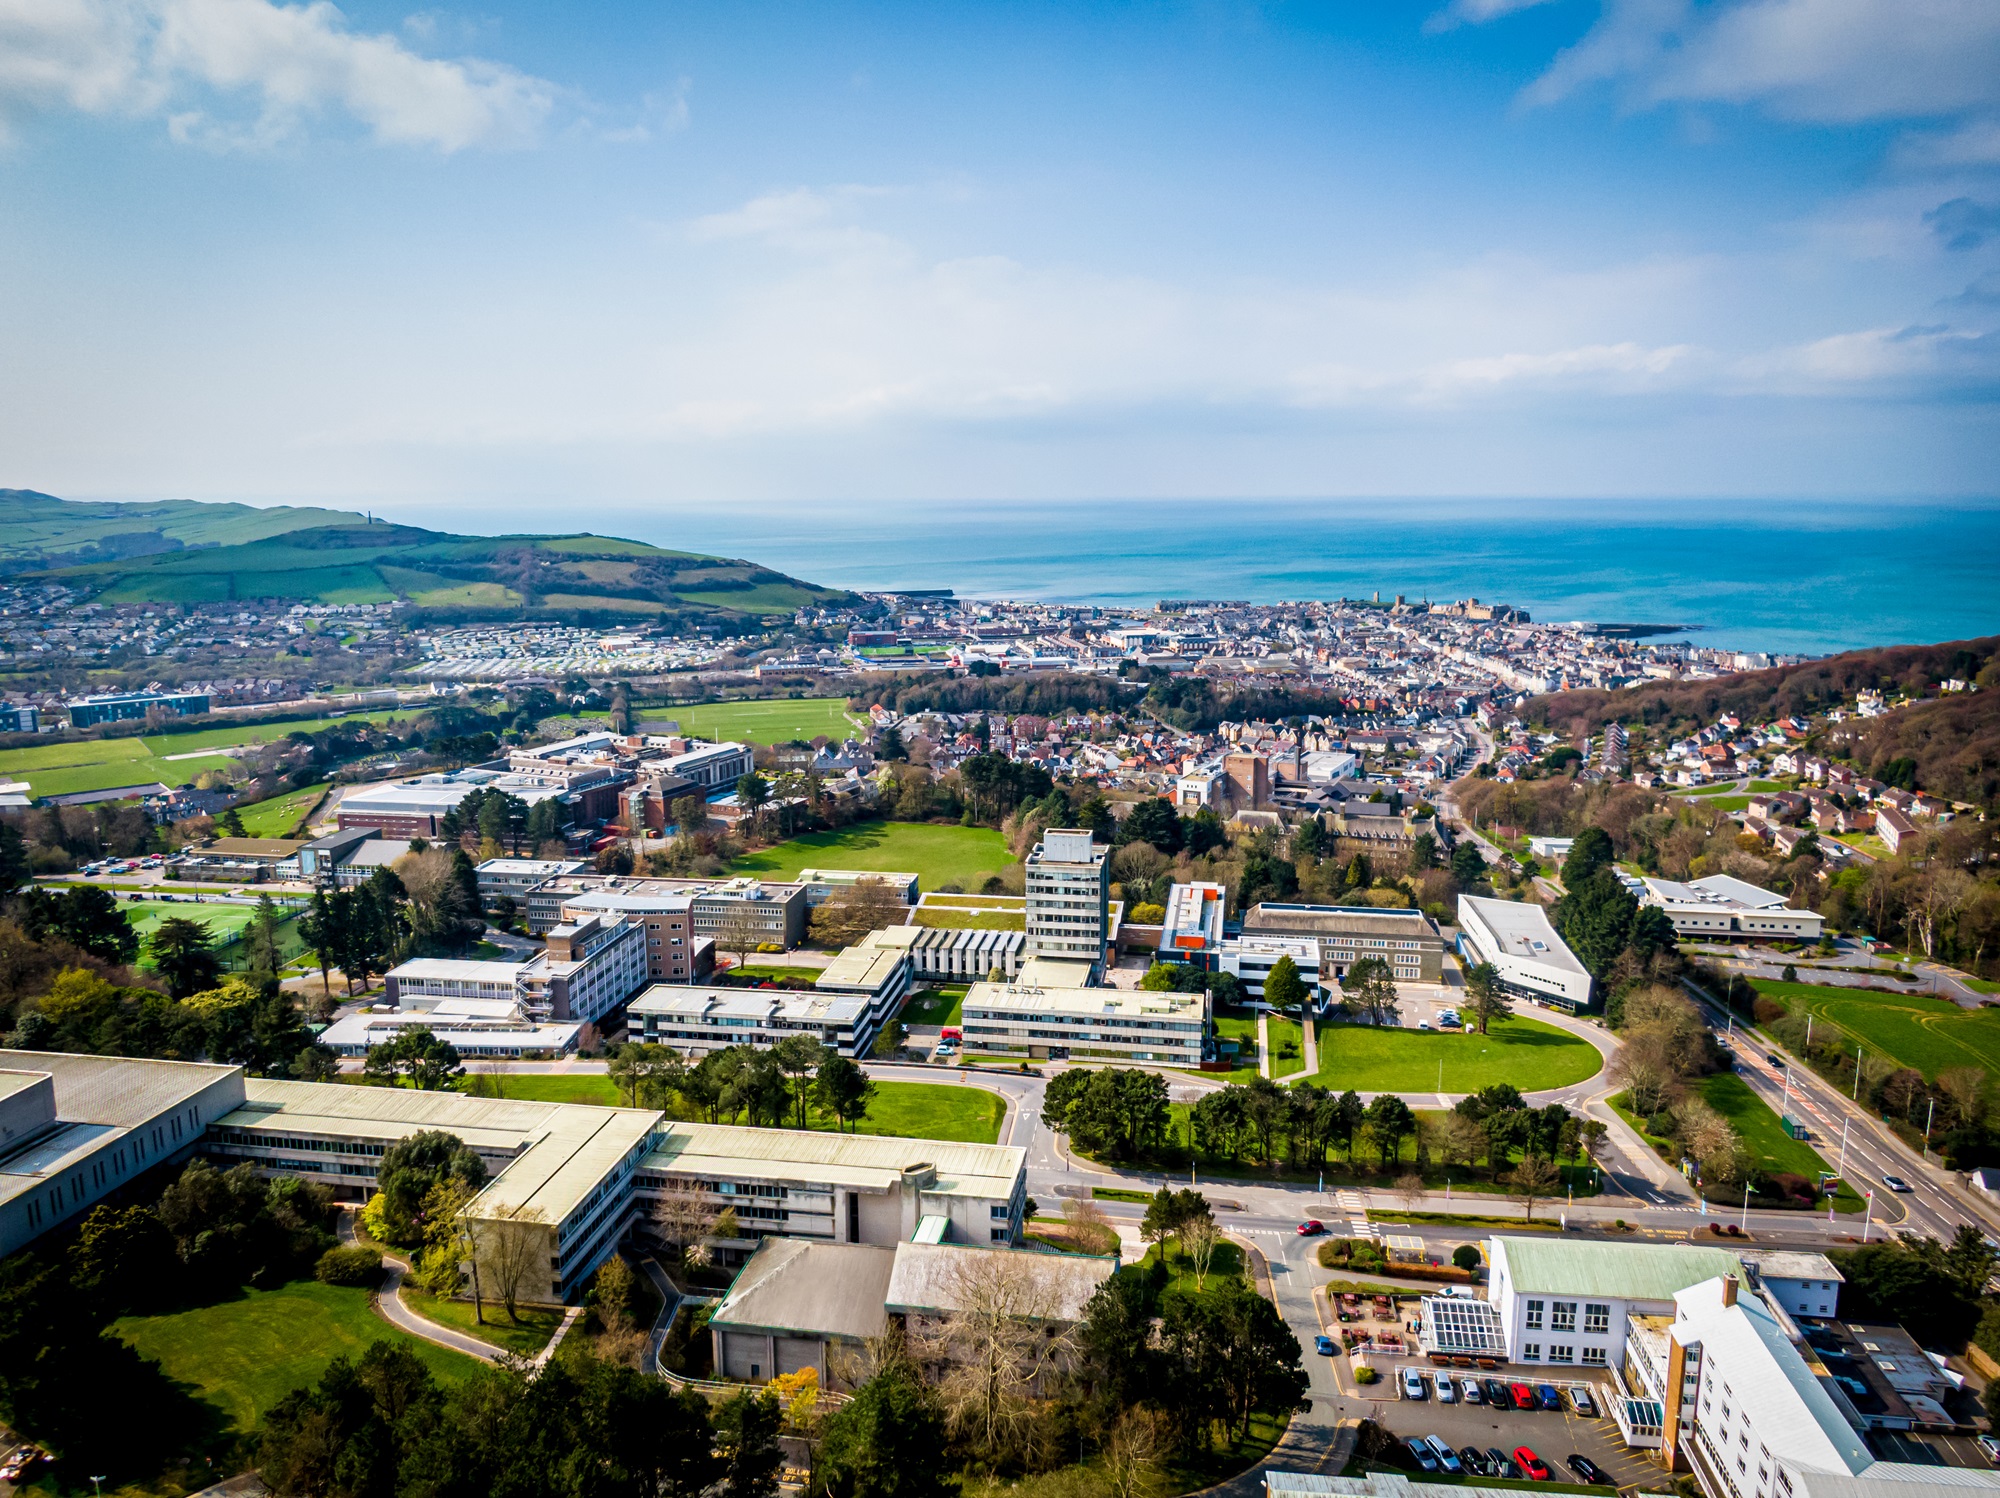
[(1565, 1301)]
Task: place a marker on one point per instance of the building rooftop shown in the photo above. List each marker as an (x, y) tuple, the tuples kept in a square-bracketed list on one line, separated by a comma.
[(1791, 1264), (1023, 997), (455, 969), (115, 1090), (1717, 891), (1053, 972), (823, 1289), (250, 847), (1521, 931), (862, 968), (1617, 1271), (1280, 918), (872, 1161), (940, 1277), (530, 868), (678, 1000)]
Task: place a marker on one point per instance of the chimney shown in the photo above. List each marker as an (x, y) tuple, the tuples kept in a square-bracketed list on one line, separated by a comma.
[(1729, 1289)]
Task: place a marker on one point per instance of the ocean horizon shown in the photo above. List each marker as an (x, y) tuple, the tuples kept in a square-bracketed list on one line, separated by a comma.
[(1805, 576)]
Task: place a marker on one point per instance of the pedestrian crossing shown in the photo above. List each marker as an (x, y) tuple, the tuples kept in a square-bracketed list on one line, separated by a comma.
[(1356, 1208)]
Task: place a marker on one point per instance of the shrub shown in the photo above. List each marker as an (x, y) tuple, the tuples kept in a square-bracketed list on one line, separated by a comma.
[(348, 1266), (1465, 1256), (1365, 1375), (1784, 1183), (1791, 973), (1769, 1011), (1660, 1124)]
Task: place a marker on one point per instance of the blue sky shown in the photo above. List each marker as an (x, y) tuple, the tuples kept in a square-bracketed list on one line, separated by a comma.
[(504, 259)]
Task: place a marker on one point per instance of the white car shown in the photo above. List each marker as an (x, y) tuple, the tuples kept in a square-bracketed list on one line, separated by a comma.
[(1414, 1386), (1447, 1390), (1898, 1185)]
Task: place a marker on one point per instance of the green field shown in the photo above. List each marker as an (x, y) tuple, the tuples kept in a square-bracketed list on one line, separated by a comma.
[(916, 1110), (972, 920), (1531, 1055), (935, 1006), (1283, 1032), (279, 816), (1759, 1128), (244, 1355), (1915, 1030), (99, 764), (964, 856), (773, 721)]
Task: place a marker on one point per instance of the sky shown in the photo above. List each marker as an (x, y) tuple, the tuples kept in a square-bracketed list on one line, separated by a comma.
[(517, 260)]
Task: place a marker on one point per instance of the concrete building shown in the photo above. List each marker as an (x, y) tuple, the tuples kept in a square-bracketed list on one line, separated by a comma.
[(126, 707), (856, 995), (1247, 780), (1069, 898), (320, 860), (1517, 939), (1723, 908), (424, 982), (1191, 931), (1251, 958), (954, 953), (1567, 1303), (514, 877), (1408, 940), (478, 1029), (1805, 1284), (20, 717), (74, 1129), (583, 975), (674, 954), (240, 860), (820, 883), (1051, 1022), (416, 807), (777, 912)]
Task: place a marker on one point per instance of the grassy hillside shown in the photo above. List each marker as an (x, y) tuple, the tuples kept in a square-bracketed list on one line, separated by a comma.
[(41, 527), (350, 562)]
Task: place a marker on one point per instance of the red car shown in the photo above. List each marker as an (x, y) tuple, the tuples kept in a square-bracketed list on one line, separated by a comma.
[(1524, 1397), (1311, 1227), (1531, 1465)]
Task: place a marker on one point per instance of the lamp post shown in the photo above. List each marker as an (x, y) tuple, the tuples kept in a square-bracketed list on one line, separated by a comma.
[(1929, 1114), (97, 1482), (1744, 1223), (1855, 1095)]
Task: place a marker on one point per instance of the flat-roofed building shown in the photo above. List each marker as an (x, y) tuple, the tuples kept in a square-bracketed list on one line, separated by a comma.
[(1069, 897), (1251, 958), (1566, 1303), (820, 883), (416, 807), (1523, 948), (245, 860), (586, 971), (1723, 908), (124, 707), (951, 953), (674, 954), (776, 912), (74, 1129), (1408, 940), (878, 970), (1803, 1282), (478, 1029), (1051, 1022), (1191, 930), (713, 767), (696, 1020), (424, 982), (514, 877)]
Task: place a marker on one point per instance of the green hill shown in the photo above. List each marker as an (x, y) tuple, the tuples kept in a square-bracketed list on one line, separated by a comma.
[(41, 528), (351, 560)]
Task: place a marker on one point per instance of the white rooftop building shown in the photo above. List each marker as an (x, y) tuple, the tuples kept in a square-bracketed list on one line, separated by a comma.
[(1723, 908), (1517, 939)]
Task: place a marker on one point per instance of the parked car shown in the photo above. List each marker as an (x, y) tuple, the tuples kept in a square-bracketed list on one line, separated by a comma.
[(1548, 1397), (1472, 1391), (1524, 1397), (21, 1462), (1447, 1458), (1579, 1396), (1898, 1185), (1312, 1227), (1532, 1466), (1475, 1461), (1991, 1447), (1447, 1390), (1423, 1455), (1414, 1386), (1503, 1464), (1323, 1345), (1585, 1469), (1496, 1394)]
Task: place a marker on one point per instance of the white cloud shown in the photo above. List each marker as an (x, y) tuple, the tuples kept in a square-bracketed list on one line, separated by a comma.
[(1829, 61), (200, 62), (1478, 12)]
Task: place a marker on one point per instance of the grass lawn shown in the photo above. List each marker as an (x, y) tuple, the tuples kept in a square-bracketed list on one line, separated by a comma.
[(1915, 1030), (773, 721), (280, 815), (938, 855), (1462, 1219), (244, 1355), (1284, 1033), (971, 920), (1243, 1030), (526, 1337), (774, 973), (1526, 1052), (935, 1006), (976, 902), (99, 764), (1752, 1118), (1118, 1194), (912, 1110)]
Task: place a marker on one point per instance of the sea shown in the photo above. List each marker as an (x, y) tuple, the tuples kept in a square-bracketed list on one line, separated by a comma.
[(1780, 576)]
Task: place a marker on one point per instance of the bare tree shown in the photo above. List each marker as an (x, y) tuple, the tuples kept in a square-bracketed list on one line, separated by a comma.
[(684, 1218), (1938, 894), (1134, 1454), (1534, 1180), (1199, 1236), (738, 931), (1644, 1069), (1089, 1229), (511, 1247), (850, 914), (996, 1351), (1966, 1087), (1411, 1189)]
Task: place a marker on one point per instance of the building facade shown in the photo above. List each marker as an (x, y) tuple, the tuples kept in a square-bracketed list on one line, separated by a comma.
[(1069, 898), (1051, 1023), (1408, 940), (126, 707), (1523, 948)]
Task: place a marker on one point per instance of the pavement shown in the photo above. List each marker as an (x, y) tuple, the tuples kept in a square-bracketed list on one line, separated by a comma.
[(387, 1302)]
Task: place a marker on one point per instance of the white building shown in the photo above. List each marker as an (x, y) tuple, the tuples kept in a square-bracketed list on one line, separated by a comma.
[(1069, 898), (586, 970), (1517, 939), (711, 766), (1805, 1284), (478, 1029), (514, 877), (855, 996), (952, 953), (1052, 1022), (1567, 1303), (820, 883), (1251, 959), (1723, 908)]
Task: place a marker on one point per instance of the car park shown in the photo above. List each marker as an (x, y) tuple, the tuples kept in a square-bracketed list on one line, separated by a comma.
[(1475, 1461), (1414, 1386), (1447, 1458), (1447, 1390), (1524, 1397), (1496, 1394), (1547, 1397), (1312, 1227), (1581, 1402), (1503, 1464), (1425, 1457), (1323, 1346), (1532, 1466), (1585, 1469), (1470, 1388), (1898, 1185)]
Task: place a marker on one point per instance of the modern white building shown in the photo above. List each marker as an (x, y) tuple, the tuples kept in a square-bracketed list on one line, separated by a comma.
[(1805, 1284), (1046, 1021), (584, 972), (953, 953), (820, 883), (1408, 940), (857, 993), (1251, 959), (514, 877), (1191, 928), (478, 1029), (1517, 939), (1723, 908), (1069, 897), (1566, 1303)]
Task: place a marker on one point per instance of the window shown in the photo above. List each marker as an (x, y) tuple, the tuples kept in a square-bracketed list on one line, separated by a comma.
[(1562, 1316), (1531, 1352), (1594, 1357), (1559, 1353), (1534, 1318), (1597, 1319)]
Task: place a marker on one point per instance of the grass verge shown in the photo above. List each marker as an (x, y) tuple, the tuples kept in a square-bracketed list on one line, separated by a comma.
[(524, 1338)]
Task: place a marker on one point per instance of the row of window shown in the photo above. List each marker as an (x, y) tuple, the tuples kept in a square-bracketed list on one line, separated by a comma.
[(1563, 1352), (1562, 1317)]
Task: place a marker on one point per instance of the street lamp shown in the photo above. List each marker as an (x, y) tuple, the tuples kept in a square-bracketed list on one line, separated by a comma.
[(97, 1481)]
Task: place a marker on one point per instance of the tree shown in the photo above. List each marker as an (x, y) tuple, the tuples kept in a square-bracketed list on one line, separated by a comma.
[(753, 792), (799, 1058), (320, 929), (1484, 997), (843, 1089), (1466, 1257), (1468, 864), (746, 1428), (85, 916), (1534, 1178), (430, 1064), (411, 1167), (888, 1441), (510, 1244), (1371, 987), (1595, 919), (1154, 821), (1392, 1121), (183, 954), (738, 931), (642, 1072), (1589, 852), (1282, 987), (14, 871), (1200, 1234)]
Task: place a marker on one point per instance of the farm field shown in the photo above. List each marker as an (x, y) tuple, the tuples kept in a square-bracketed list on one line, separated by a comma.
[(774, 721), (938, 855), (244, 1355), (99, 764), (279, 815), (1759, 1128), (1531, 1055), (1916, 1030)]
